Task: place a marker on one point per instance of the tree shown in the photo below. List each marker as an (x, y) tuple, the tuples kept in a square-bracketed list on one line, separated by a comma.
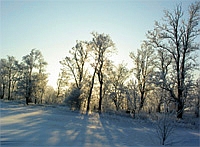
[(9, 69), (31, 62), (177, 36), (144, 62), (40, 80), (74, 66), (164, 127), (133, 97), (73, 99), (197, 97), (50, 95), (3, 74), (164, 60), (118, 78), (62, 81), (101, 46)]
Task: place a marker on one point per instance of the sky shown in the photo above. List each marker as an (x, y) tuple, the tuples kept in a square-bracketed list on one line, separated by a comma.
[(53, 26)]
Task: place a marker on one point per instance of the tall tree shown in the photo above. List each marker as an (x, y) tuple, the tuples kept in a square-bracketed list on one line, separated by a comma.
[(62, 82), (32, 62), (177, 36), (9, 70), (40, 80), (144, 62), (75, 63), (101, 46), (164, 61), (3, 76), (197, 99)]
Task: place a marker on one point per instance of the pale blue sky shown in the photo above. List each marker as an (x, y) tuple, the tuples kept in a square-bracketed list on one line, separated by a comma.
[(54, 26)]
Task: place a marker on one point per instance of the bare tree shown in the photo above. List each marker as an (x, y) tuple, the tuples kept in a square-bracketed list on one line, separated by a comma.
[(177, 36), (164, 127)]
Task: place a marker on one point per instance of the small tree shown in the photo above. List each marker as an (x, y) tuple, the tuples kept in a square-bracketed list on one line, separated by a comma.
[(164, 127), (73, 100)]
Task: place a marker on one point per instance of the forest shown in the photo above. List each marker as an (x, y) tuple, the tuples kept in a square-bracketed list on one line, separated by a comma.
[(162, 78)]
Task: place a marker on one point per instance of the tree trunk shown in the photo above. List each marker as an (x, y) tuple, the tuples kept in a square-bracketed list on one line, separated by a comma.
[(158, 108), (26, 100), (3, 92), (9, 87), (142, 100), (116, 103), (100, 91), (29, 88), (180, 109), (90, 92), (197, 107), (101, 97)]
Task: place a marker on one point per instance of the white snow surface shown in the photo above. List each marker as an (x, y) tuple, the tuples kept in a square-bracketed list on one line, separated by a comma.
[(45, 125)]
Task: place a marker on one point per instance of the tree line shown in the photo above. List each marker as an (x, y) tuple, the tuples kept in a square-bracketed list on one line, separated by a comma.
[(162, 77)]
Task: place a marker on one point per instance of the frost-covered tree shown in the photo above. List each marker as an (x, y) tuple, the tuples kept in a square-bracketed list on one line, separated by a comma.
[(101, 45), (50, 95), (176, 35), (133, 97), (144, 62), (197, 97), (9, 70), (33, 66), (161, 79), (3, 77), (118, 78), (73, 99), (62, 81), (74, 67), (74, 64)]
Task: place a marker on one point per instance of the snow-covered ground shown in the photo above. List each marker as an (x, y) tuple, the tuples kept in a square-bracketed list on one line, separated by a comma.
[(34, 125)]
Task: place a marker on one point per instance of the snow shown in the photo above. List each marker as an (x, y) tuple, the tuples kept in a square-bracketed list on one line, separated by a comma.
[(42, 125)]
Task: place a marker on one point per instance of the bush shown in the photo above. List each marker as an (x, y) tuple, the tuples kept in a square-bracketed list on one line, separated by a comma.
[(164, 127), (73, 100)]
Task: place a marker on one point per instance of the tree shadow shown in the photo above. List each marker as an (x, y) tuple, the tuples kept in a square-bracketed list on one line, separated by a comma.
[(23, 125)]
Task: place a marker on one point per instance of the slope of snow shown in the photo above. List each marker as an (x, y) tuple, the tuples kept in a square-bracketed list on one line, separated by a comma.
[(56, 126)]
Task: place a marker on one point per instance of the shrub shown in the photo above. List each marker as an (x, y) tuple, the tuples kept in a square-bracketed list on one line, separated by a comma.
[(73, 100), (164, 127)]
